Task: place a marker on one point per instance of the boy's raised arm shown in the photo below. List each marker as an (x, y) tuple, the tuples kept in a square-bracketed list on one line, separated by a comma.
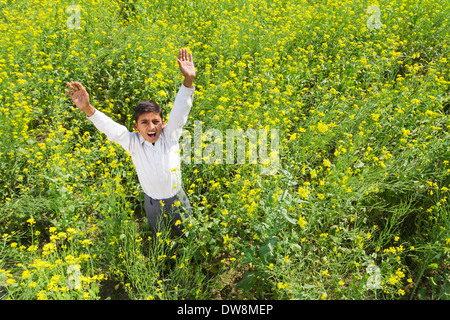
[(80, 98), (187, 68), (114, 131), (183, 101)]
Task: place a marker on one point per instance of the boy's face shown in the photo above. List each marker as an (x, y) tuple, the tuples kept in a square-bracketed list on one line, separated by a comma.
[(149, 125)]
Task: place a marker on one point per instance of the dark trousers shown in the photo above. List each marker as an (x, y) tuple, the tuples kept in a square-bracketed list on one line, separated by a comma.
[(167, 212)]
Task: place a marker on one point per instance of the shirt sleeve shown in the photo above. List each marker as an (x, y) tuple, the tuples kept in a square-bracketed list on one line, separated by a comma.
[(114, 131), (179, 113)]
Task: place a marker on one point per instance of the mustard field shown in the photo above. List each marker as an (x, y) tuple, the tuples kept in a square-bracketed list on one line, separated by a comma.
[(346, 197)]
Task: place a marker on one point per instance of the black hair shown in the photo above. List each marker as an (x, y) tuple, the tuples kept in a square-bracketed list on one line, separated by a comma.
[(147, 106)]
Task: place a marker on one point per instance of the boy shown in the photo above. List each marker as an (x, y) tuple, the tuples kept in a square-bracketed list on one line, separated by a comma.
[(154, 149)]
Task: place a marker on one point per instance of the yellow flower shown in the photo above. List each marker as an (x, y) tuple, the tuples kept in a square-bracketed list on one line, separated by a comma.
[(406, 132), (322, 127), (393, 279), (375, 116), (302, 222), (281, 285), (304, 192), (32, 248)]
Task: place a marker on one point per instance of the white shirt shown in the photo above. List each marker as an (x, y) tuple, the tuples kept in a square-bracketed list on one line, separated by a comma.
[(157, 166)]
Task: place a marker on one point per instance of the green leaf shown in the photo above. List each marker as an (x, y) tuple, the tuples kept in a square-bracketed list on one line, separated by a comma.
[(247, 282), (266, 251)]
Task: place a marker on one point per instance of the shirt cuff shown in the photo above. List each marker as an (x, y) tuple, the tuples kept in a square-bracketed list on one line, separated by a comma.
[(95, 116), (187, 90)]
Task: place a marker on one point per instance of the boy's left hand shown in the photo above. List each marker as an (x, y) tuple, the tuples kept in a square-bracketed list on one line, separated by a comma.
[(186, 64)]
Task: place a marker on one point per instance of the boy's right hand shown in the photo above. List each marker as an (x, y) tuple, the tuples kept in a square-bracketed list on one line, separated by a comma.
[(80, 97)]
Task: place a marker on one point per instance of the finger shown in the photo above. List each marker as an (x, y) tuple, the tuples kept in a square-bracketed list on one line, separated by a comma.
[(184, 54), (78, 85), (191, 58), (70, 87), (68, 93)]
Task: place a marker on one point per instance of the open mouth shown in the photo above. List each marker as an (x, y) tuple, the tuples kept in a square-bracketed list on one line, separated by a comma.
[(151, 134)]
